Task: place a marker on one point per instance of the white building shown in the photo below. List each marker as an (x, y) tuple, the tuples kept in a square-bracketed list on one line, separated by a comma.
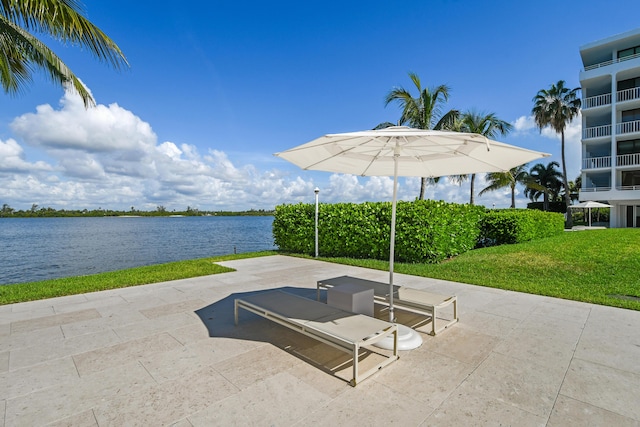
[(610, 84)]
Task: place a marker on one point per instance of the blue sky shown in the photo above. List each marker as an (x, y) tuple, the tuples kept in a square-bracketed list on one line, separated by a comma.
[(216, 88)]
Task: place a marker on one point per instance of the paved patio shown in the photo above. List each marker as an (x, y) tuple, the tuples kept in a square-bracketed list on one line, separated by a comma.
[(169, 354)]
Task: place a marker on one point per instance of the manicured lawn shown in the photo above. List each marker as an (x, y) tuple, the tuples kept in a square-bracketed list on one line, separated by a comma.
[(118, 279), (596, 266)]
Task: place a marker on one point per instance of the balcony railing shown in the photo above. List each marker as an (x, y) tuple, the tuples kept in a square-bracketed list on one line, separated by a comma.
[(595, 189), (628, 159), (596, 101), (618, 187), (596, 162), (628, 127), (628, 94), (613, 61), (596, 132), (605, 161)]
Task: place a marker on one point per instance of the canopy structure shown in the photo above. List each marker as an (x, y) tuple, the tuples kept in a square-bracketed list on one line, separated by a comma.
[(588, 205), (403, 151)]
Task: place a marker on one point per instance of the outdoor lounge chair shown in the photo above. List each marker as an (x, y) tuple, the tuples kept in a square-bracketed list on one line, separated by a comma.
[(410, 299), (340, 329)]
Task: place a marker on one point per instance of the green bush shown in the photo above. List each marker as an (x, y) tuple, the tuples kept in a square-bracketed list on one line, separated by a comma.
[(431, 231), (507, 226), (559, 206), (426, 230), (293, 228)]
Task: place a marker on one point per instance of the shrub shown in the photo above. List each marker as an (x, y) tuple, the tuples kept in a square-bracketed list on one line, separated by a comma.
[(426, 230), (559, 206), (431, 231), (293, 228), (518, 225)]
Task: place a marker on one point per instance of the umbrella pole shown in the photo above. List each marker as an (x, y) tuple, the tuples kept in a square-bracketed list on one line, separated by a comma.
[(393, 236)]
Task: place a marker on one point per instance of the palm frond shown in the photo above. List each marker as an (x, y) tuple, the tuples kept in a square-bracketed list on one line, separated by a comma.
[(64, 20), (22, 51)]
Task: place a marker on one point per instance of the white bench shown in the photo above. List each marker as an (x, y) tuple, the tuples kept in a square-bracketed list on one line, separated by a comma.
[(411, 299), (340, 329)]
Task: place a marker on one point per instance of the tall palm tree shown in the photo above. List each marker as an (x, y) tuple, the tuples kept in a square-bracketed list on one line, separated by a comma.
[(424, 111), (557, 107), (21, 52), (487, 124), (511, 179), (548, 181)]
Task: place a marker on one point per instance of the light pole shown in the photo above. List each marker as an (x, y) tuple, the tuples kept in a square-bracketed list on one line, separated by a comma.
[(316, 191)]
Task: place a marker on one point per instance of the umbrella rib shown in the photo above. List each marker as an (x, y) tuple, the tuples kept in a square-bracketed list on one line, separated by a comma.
[(346, 150)]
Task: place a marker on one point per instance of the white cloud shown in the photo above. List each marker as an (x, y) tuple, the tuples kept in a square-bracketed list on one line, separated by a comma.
[(108, 157), (524, 124), (12, 159), (99, 129)]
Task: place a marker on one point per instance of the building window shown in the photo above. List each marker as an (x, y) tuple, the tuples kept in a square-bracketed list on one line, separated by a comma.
[(630, 178), (629, 83), (628, 52), (631, 146), (631, 115), (633, 212)]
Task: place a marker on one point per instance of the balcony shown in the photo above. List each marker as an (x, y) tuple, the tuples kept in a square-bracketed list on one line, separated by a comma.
[(597, 101), (594, 189), (617, 193), (596, 162), (627, 94), (627, 127), (610, 62), (628, 159), (596, 132)]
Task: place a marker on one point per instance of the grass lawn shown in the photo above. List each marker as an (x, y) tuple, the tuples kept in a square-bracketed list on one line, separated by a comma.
[(118, 279), (596, 266)]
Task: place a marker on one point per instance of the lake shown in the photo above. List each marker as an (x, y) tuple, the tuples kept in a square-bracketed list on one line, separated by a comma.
[(47, 248)]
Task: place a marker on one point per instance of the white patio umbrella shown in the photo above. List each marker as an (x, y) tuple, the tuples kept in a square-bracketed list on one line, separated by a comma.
[(588, 205), (403, 151)]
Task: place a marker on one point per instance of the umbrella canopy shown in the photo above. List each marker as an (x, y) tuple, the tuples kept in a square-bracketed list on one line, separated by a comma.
[(403, 151), (588, 205), (420, 153)]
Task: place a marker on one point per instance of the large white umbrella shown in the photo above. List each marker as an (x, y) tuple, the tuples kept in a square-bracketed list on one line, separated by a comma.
[(588, 205), (403, 151)]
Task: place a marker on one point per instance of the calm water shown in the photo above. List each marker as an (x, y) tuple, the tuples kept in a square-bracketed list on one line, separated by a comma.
[(45, 248)]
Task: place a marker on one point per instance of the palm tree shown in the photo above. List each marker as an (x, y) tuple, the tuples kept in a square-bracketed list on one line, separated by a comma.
[(63, 20), (548, 182), (424, 111), (557, 107), (574, 189), (511, 178), (484, 124)]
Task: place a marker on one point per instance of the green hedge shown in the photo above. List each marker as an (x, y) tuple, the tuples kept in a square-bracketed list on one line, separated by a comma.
[(559, 206), (426, 230), (519, 225)]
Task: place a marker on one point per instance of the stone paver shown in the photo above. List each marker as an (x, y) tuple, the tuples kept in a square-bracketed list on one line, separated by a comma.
[(169, 354)]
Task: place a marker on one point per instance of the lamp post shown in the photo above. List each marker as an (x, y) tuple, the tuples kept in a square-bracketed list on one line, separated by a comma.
[(316, 191)]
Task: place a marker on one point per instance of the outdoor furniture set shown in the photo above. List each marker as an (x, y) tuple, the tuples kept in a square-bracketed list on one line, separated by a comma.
[(346, 322)]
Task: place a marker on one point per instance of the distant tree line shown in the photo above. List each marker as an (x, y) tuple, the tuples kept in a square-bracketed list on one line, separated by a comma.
[(37, 212)]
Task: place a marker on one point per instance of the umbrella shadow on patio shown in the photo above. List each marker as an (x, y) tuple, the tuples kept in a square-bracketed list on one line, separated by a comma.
[(218, 318)]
